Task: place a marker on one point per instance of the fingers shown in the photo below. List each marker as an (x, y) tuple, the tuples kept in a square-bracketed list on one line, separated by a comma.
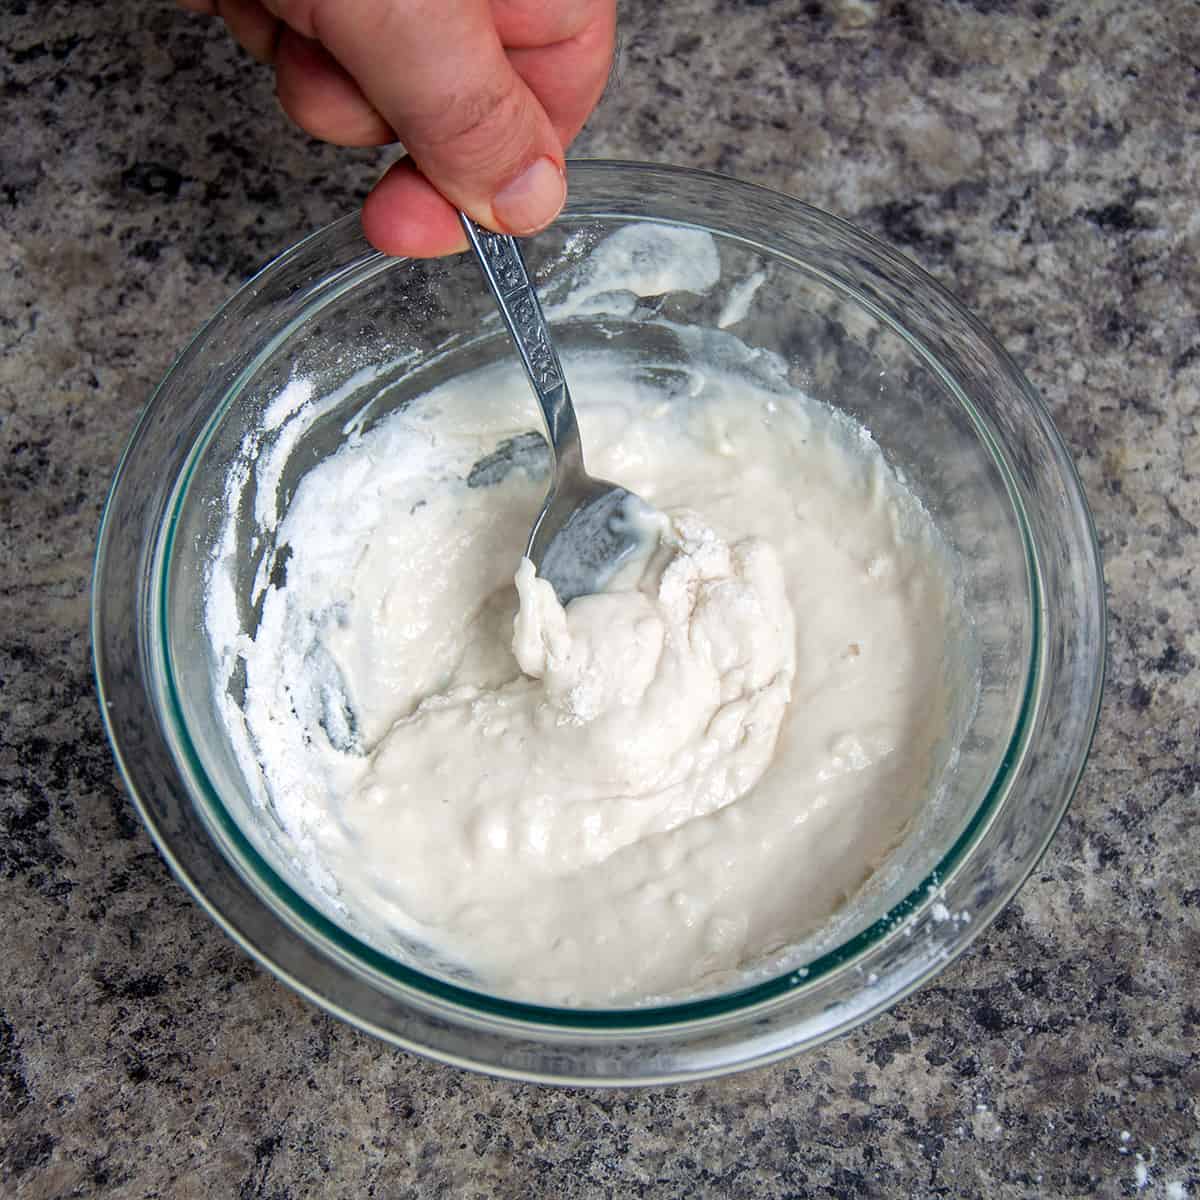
[(526, 24), (321, 97), (406, 215), (252, 26), (483, 93), (568, 77), (437, 73)]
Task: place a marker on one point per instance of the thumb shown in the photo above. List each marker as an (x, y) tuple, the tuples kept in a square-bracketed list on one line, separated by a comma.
[(437, 72)]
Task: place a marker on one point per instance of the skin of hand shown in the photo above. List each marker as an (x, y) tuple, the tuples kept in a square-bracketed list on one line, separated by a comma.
[(483, 94)]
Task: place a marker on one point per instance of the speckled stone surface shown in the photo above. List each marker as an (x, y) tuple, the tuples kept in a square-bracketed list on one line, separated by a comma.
[(1042, 160)]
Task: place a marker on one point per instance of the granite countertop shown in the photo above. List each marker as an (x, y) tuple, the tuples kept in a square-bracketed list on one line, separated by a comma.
[(1042, 159)]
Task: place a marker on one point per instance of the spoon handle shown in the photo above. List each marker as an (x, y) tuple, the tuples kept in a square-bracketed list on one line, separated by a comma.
[(506, 275)]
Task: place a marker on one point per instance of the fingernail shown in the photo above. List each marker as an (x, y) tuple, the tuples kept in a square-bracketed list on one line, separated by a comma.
[(533, 199)]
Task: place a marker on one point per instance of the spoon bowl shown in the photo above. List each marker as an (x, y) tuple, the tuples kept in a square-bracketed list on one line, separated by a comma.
[(587, 530)]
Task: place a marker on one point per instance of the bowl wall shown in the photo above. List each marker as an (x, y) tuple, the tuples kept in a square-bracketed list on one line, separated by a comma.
[(833, 314)]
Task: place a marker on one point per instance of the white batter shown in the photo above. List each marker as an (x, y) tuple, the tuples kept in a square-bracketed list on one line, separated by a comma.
[(656, 786), (639, 796)]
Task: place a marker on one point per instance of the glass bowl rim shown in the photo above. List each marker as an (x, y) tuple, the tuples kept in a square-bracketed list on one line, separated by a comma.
[(739, 1001)]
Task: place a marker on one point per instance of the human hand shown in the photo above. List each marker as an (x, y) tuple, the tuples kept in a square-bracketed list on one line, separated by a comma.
[(483, 94)]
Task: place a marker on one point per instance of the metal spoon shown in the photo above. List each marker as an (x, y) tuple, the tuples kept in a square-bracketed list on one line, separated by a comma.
[(587, 527)]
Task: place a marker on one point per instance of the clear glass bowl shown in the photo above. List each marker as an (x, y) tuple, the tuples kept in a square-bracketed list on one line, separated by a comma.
[(858, 327)]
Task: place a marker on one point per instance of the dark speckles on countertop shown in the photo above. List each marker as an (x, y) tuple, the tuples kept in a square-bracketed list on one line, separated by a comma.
[(1042, 160)]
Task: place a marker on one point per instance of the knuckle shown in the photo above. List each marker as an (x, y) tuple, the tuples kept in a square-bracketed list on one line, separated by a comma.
[(343, 125), (478, 117), (299, 15), (311, 117), (298, 101)]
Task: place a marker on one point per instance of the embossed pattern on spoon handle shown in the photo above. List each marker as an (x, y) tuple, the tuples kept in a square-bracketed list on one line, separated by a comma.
[(504, 268)]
